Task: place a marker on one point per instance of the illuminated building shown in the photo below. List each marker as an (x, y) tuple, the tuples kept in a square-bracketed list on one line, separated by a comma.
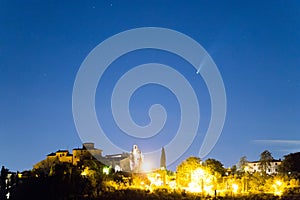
[(254, 166), (87, 152), (136, 159), (119, 162)]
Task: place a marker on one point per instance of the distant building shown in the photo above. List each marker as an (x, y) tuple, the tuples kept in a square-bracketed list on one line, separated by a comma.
[(253, 166), (88, 151), (136, 159), (119, 162)]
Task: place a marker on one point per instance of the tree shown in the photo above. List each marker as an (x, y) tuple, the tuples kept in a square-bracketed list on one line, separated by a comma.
[(242, 163), (185, 169), (215, 167), (44, 167), (234, 169), (265, 161), (291, 164), (163, 159), (65, 182), (256, 183)]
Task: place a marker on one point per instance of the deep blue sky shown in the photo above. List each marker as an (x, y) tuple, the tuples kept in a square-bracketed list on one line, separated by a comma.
[(256, 47)]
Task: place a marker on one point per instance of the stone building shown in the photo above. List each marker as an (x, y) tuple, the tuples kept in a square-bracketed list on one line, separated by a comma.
[(254, 166), (88, 151), (119, 162)]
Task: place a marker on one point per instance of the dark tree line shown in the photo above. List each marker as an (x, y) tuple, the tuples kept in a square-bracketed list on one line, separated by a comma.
[(3, 184), (291, 165), (64, 181)]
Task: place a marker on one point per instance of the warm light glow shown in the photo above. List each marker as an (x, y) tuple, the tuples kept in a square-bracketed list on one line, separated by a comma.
[(106, 170), (198, 173), (85, 172), (155, 179), (208, 189), (278, 187), (235, 188), (201, 181), (172, 184), (146, 166), (279, 183), (194, 187)]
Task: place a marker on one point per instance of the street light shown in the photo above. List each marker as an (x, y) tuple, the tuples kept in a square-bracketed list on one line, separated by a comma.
[(106, 170), (277, 187), (235, 188)]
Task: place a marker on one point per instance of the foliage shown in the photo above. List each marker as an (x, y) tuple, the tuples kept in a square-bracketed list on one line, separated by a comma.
[(163, 159), (139, 180), (215, 167), (293, 183), (265, 161), (63, 184), (87, 181), (242, 163), (184, 169), (256, 183), (291, 164), (234, 169)]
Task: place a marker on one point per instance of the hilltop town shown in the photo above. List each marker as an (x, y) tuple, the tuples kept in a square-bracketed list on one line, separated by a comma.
[(86, 173)]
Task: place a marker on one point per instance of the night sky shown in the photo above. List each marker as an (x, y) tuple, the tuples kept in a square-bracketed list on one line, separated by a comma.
[(256, 47)]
